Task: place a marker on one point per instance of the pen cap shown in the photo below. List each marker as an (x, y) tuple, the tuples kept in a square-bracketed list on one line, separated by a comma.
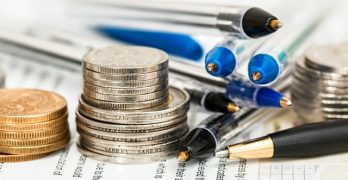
[(224, 60), (267, 97), (255, 22), (177, 44), (200, 143), (266, 66)]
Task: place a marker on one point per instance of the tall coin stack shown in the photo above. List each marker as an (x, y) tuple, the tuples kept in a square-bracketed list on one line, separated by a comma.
[(33, 123), (320, 87), (127, 113)]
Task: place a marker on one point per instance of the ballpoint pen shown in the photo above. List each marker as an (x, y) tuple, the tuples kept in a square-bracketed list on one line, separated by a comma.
[(271, 58), (246, 94), (217, 130), (223, 59), (307, 140), (174, 43), (236, 21), (213, 101)]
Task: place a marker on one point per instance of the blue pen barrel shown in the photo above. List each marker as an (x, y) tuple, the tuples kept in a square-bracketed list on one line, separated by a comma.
[(177, 44), (224, 60)]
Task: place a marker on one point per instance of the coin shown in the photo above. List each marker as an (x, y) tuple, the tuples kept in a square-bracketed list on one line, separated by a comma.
[(126, 98), (125, 60), (21, 157), (126, 84), (30, 106), (124, 159), (35, 141), (127, 77), (125, 106), (34, 126), (126, 91), (36, 149), (116, 128), (32, 134), (328, 58)]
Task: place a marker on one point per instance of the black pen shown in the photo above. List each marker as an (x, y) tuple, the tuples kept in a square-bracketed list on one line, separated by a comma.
[(308, 140), (213, 101), (214, 132)]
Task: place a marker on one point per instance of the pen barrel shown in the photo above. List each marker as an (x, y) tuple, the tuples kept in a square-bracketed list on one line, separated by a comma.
[(311, 140)]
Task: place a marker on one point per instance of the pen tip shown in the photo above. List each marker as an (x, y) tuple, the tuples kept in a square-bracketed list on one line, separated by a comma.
[(285, 102), (256, 76), (275, 24), (183, 155), (231, 107), (222, 154), (211, 67)]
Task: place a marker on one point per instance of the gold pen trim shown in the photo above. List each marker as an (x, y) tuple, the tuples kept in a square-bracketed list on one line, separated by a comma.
[(257, 148)]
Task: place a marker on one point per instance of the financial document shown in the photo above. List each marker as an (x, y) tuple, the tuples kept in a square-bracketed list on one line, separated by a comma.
[(70, 164)]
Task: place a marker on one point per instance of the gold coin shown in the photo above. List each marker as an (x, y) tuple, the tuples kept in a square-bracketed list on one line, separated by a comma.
[(20, 157), (33, 134), (30, 106), (36, 149), (34, 126), (36, 141)]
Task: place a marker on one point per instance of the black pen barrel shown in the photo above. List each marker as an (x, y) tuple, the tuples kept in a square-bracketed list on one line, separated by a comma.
[(311, 140)]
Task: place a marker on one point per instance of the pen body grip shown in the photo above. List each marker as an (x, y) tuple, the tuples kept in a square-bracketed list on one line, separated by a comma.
[(311, 140)]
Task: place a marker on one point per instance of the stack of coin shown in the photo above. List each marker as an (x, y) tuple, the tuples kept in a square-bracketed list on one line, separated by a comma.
[(2, 78), (33, 123), (320, 86), (127, 113)]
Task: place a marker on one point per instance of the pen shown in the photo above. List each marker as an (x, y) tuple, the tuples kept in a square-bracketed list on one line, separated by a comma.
[(214, 132), (223, 59), (177, 44), (246, 94), (236, 21), (213, 101), (308, 140), (271, 58)]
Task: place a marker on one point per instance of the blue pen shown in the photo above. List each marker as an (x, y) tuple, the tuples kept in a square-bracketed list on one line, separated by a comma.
[(246, 94), (269, 61), (177, 44), (223, 59)]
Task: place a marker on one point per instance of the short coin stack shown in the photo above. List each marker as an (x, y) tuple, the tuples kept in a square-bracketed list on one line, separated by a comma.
[(320, 88), (33, 123), (127, 113)]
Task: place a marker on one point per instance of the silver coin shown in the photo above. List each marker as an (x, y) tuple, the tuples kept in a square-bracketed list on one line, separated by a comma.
[(126, 77), (135, 144), (125, 60), (119, 128), (326, 82), (136, 150), (127, 84), (137, 141), (125, 91), (125, 106), (301, 67), (125, 98), (131, 136), (176, 105), (328, 58), (124, 159)]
